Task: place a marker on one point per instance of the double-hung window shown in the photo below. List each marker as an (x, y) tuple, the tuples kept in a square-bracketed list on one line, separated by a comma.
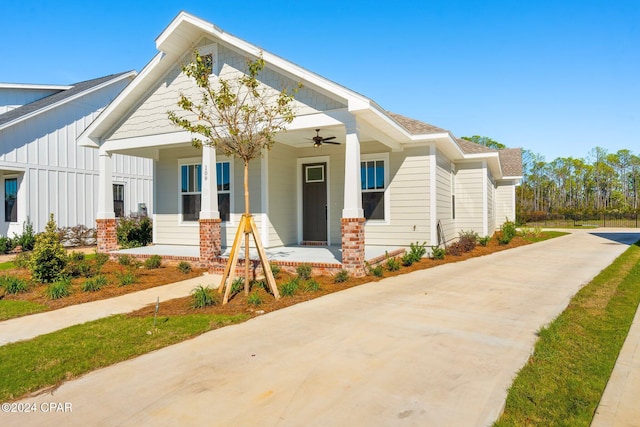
[(191, 190), (372, 175), (11, 199), (118, 200)]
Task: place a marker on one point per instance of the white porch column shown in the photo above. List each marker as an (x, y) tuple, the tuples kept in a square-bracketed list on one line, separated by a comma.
[(105, 186), (352, 207), (209, 196)]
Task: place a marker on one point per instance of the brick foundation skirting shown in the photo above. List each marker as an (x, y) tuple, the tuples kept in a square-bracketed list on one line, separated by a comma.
[(106, 235)]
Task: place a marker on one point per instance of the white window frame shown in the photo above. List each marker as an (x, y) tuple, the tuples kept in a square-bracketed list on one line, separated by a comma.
[(211, 49), (198, 161), (124, 197), (17, 202), (384, 157)]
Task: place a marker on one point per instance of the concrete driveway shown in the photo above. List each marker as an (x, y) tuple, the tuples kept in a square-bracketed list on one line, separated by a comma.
[(437, 347)]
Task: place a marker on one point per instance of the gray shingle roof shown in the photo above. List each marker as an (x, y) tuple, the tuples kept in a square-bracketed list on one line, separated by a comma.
[(415, 127), (47, 101), (511, 161)]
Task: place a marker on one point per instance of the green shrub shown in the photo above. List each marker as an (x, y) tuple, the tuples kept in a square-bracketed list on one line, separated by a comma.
[(341, 276), (94, 284), (376, 271), (254, 299), (76, 256), (237, 285), (184, 267), (202, 296), (22, 260), (407, 259), (275, 269), (437, 252), (393, 264), (100, 259), (507, 232), (6, 245), (13, 285), (125, 260), (27, 239), (133, 232), (76, 268), (259, 284), (289, 287), (126, 278), (417, 250), (304, 271), (311, 285), (154, 261), (48, 258), (484, 241), (59, 289)]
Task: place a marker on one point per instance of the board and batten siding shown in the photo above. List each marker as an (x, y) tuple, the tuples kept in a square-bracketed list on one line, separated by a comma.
[(443, 196), (57, 176), (469, 197), (409, 201), (14, 97)]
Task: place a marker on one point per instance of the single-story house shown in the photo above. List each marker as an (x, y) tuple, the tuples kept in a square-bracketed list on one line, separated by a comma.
[(42, 168), (389, 182)]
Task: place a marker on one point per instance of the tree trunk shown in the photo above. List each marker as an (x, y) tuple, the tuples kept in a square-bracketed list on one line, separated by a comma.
[(246, 234)]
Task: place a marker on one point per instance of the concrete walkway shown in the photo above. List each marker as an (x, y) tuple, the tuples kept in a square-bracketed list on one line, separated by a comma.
[(437, 347), (27, 327)]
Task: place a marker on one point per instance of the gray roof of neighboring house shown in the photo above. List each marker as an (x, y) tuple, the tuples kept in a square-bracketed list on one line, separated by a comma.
[(511, 161), (45, 102), (415, 127)]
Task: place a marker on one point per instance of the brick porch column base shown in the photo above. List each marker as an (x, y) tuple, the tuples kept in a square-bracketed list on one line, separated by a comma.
[(210, 241), (106, 237), (353, 246)]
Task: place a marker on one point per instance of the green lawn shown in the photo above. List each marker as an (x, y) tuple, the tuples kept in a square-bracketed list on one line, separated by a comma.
[(564, 379), (7, 265), (50, 359), (11, 308)]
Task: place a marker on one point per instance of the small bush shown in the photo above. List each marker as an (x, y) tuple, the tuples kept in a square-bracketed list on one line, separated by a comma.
[(13, 285), (184, 267), (341, 276), (154, 261), (76, 256), (311, 285), (49, 258), (22, 260), (125, 260), (468, 240), (289, 288), (59, 289), (507, 232), (100, 259), (259, 284), (133, 232), (6, 245), (304, 271), (437, 252), (455, 249), (202, 296), (484, 241), (275, 270), (126, 278), (237, 285), (94, 284), (407, 259), (254, 299), (416, 252), (392, 264), (77, 268), (27, 239), (376, 271)]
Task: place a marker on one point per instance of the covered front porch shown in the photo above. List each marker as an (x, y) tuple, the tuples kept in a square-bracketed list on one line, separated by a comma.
[(323, 259)]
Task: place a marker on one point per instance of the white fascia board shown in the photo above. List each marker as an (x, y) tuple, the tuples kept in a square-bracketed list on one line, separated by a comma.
[(92, 135), (150, 141), (67, 100), (33, 86)]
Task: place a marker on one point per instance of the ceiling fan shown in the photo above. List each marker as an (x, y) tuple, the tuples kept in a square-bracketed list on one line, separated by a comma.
[(318, 140)]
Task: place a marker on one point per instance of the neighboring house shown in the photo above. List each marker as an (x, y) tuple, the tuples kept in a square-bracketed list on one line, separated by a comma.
[(391, 181), (42, 168)]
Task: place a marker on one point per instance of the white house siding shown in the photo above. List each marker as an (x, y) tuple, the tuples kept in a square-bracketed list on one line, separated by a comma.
[(469, 197), (491, 204), (443, 196), (282, 186), (150, 117), (505, 203), (57, 176), (409, 201), (11, 98)]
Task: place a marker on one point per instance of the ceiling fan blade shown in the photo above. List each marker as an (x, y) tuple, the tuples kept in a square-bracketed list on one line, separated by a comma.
[(329, 138), (331, 142)]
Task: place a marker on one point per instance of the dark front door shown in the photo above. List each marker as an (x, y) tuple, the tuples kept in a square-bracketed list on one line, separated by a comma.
[(314, 202)]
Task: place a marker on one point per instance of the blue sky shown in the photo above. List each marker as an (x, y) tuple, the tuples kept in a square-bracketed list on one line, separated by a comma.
[(555, 77)]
